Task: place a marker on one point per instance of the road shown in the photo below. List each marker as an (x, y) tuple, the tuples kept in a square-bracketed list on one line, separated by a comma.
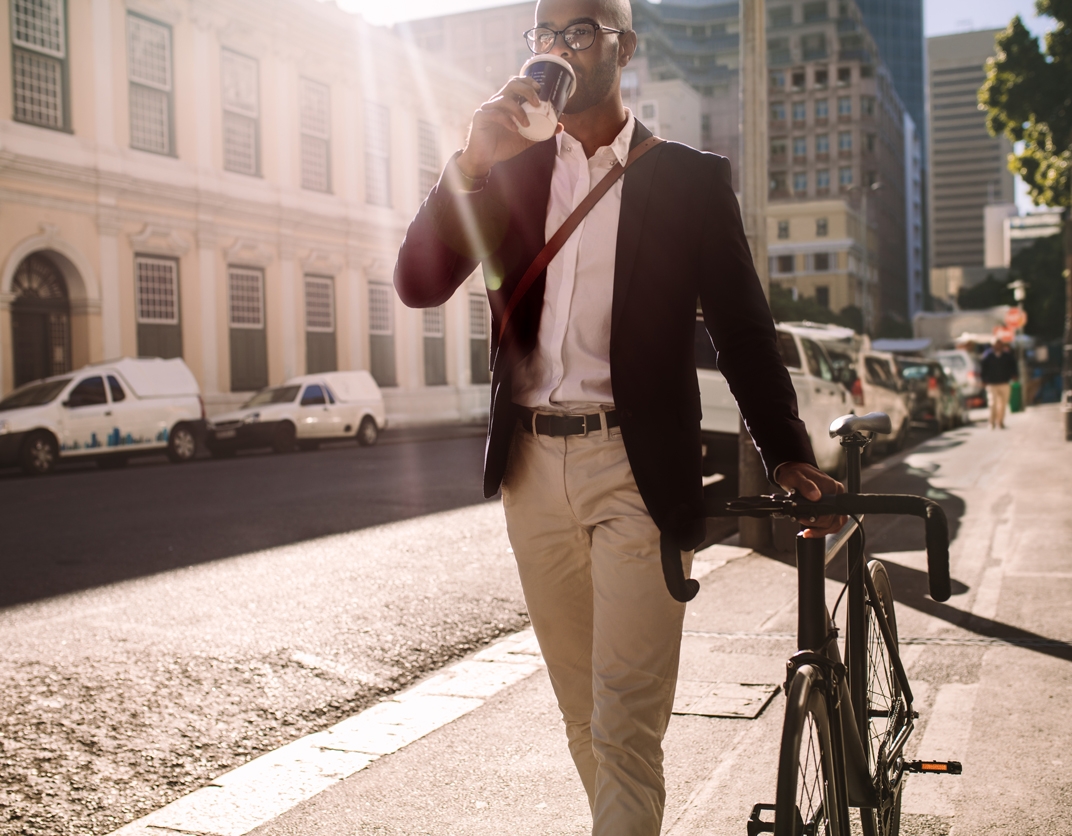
[(84, 527)]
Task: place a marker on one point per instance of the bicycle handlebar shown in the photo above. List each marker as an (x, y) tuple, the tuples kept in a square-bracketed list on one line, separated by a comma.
[(791, 505)]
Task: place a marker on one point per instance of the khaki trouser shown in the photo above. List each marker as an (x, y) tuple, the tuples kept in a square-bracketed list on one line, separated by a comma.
[(997, 395), (587, 553)]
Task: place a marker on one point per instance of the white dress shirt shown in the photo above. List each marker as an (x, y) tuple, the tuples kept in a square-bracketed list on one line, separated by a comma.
[(569, 370)]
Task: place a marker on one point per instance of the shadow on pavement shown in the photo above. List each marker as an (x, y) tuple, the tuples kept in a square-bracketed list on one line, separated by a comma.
[(910, 586), (86, 528)]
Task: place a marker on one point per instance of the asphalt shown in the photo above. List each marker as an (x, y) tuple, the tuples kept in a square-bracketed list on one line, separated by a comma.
[(990, 669)]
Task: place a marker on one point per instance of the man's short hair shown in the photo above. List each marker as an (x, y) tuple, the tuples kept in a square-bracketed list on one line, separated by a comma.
[(619, 14)]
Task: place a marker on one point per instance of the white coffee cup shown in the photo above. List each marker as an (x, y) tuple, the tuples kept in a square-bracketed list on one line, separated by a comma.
[(557, 83)]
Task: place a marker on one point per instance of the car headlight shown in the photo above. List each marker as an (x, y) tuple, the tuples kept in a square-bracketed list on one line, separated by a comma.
[(252, 419), (5, 427)]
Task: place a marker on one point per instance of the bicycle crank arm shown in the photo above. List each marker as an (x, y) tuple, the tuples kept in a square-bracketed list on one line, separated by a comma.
[(756, 825), (934, 767)]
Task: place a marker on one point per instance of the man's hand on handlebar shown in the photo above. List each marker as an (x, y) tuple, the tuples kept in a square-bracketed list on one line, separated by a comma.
[(811, 483)]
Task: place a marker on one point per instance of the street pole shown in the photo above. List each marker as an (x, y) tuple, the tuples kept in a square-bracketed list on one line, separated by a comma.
[(752, 480), (1066, 369)]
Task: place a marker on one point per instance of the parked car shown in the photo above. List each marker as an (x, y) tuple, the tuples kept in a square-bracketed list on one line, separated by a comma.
[(820, 399), (881, 389), (869, 376), (303, 412), (936, 400), (965, 369), (107, 412)]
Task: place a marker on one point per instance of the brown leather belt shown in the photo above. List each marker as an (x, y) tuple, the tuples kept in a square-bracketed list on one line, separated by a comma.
[(562, 425)]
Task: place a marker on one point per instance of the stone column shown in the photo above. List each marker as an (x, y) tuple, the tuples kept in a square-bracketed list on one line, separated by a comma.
[(108, 245), (754, 533), (208, 284)]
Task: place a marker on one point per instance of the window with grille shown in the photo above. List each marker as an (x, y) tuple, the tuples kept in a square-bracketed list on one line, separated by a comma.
[(241, 112), (245, 289), (433, 322), (427, 158), (156, 286), (822, 179), (800, 183), (319, 304), (149, 73), (783, 229), (844, 105), (845, 176), (377, 154), (381, 320), (479, 348), (844, 141), (822, 108), (39, 62), (315, 136)]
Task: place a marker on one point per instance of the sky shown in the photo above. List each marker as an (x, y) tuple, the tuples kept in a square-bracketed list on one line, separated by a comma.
[(941, 17)]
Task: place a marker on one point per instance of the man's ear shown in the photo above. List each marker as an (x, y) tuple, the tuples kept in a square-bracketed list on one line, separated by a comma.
[(627, 44)]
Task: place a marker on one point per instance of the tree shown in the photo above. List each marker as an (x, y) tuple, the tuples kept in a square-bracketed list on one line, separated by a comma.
[(1028, 97)]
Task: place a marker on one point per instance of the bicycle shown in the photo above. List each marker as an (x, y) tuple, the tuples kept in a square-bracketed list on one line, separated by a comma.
[(845, 728)]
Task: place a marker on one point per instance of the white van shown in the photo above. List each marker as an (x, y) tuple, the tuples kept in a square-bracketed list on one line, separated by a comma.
[(303, 411), (106, 411), (820, 399)]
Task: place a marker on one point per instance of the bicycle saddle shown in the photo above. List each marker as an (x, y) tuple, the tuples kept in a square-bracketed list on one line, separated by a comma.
[(874, 422)]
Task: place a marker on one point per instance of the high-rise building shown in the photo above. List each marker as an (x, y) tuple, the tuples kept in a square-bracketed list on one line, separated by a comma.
[(897, 28), (968, 167), (837, 133)]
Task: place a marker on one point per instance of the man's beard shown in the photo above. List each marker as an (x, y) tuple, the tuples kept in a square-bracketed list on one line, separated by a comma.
[(593, 88)]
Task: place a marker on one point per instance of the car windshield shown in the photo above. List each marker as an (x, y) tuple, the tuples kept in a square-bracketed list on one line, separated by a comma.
[(913, 371), (36, 394), (954, 362), (277, 394)]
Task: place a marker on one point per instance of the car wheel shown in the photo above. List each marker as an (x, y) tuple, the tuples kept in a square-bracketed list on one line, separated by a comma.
[(283, 439), (39, 454), (368, 433), (182, 444)]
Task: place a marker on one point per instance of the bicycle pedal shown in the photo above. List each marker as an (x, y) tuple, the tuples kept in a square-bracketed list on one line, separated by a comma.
[(756, 825), (934, 767)]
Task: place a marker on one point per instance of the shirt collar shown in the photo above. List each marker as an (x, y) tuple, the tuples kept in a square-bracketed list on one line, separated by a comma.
[(619, 147)]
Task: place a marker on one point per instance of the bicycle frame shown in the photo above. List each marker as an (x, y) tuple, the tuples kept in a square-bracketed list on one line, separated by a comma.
[(816, 640)]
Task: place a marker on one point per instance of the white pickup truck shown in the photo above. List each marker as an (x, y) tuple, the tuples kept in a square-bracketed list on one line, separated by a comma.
[(107, 412), (820, 399), (303, 411)]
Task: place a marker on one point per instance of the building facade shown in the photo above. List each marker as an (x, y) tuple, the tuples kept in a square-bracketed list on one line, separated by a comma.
[(837, 130), (915, 218), (823, 250), (968, 167), (227, 182)]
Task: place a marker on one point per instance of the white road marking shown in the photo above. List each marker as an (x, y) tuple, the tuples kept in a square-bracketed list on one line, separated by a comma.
[(945, 738)]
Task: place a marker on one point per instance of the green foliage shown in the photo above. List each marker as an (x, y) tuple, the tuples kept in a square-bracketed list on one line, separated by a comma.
[(989, 293), (1039, 266), (787, 309), (892, 328), (1028, 97)]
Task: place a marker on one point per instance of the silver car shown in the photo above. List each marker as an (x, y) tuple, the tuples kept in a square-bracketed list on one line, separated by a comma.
[(965, 369)]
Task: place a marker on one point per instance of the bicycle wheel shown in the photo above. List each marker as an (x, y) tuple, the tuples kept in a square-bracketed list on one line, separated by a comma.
[(808, 791), (886, 710)]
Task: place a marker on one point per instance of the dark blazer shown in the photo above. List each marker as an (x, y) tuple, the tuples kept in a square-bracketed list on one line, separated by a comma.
[(680, 238)]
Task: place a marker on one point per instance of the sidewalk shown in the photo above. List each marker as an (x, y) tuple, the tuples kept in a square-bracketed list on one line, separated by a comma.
[(479, 749)]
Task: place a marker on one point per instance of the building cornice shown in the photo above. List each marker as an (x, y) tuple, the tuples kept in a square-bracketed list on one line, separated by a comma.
[(248, 253), (156, 240)]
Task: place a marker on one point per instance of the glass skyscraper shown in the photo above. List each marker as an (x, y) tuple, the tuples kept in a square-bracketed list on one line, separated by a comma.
[(897, 27)]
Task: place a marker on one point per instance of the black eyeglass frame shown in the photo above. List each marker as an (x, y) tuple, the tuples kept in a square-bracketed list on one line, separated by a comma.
[(598, 27)]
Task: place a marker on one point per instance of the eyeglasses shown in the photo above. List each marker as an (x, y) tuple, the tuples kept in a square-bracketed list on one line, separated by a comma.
[(583, 35)]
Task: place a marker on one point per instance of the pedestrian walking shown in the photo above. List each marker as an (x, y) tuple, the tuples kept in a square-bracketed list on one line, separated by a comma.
[(998, 370), (594, 432)]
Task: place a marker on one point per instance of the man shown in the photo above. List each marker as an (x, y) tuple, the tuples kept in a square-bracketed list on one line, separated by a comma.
[(605, 332), (998, 369)]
